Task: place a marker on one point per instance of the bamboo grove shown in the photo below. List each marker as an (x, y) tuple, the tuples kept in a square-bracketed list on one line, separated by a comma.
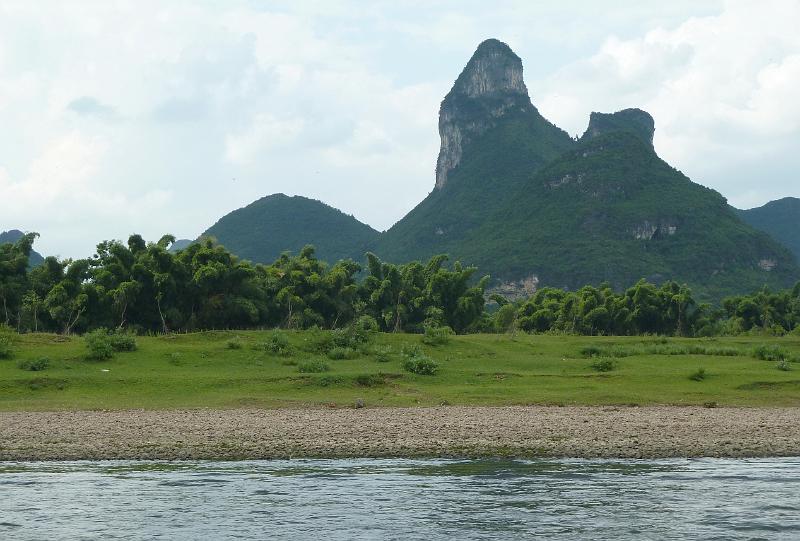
[(146, 288)]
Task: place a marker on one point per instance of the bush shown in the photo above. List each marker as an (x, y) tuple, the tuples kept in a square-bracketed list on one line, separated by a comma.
[(350, 337), (366, 324), (277, 344), (699, 375), (34, 365), (327, 381), (370, 380), (410, 350), (770, 353), (121, 341), (314, 366), (783, 365), (6, 347), (340, 353), (234, 343), (437, 336), (610, 351), (603, 365), (421, 364), (383, 354), (98, 342)]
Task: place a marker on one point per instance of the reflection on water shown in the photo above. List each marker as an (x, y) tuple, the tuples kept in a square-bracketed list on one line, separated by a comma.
[(402, 499)]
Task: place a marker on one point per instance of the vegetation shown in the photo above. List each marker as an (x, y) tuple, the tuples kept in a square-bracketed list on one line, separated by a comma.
[(601, 209), (779, 219), (139, 288), (200, 370), (264, 229)]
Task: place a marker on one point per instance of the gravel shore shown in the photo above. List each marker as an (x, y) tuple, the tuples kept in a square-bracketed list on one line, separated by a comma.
[(611, 432)]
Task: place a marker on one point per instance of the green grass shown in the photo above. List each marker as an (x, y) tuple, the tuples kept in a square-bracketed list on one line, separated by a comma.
[(201, 370)]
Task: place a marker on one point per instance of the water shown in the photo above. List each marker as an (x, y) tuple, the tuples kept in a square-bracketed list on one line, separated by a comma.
[(402, 499)]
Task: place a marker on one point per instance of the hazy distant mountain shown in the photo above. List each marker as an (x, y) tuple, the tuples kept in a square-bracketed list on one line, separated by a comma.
[(180, 244), (277, 223), (780, 218), (13, 236)]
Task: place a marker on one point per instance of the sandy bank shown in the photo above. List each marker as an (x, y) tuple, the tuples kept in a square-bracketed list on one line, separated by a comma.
[(661, 431)]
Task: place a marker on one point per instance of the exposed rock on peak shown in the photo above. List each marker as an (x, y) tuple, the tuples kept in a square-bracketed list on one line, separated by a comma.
[(493, 69), (634, 121), (489, 86)]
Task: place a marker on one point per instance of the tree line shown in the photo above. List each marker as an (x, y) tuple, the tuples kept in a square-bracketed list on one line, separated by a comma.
[(145, 287)]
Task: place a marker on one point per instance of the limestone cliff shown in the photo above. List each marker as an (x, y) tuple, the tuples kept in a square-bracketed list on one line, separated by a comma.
[(490, 85)]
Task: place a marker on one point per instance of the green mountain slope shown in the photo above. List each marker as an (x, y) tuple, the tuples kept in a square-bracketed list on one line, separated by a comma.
[(612, 210), (532, 207), (13, 236), (492, 139), (781, 219), (274, 224)]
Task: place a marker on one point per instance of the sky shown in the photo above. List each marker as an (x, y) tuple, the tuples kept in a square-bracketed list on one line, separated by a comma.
[(160, 117)]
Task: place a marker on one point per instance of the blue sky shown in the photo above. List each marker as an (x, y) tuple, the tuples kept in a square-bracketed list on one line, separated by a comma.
[(161, 117)]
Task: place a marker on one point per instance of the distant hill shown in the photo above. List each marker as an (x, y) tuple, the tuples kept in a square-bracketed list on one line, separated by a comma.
[(277, 223), (780, 218), (527, 204), (180, 244), (13, 236)]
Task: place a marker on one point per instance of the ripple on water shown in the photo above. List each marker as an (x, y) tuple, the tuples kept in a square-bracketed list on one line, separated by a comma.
[(409, 499)]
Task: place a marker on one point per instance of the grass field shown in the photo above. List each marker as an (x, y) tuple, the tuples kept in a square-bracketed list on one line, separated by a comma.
[(232, 369)]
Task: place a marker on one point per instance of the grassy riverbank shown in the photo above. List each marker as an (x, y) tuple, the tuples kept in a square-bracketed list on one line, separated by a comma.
[(235, 370)]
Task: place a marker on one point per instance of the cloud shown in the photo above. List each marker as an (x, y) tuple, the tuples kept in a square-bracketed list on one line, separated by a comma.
[(265, 134), (89, 106)]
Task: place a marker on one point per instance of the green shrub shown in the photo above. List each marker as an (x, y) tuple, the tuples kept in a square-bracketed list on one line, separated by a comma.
[(770, 353), (327, 381), (437, 336), (34, 365), (699, 375), (98, 344), (366, 324), (350, 337), (6, 347), (610, 351), (340, 353), (277, 344), (369, 380), (410, 350), (783, 365), (421, 364), (603, 365), (383, 354), (313, 366), (234, 343), (121, 341)]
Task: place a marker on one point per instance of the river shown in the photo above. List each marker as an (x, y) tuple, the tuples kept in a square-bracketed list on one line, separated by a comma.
[(402, 499)]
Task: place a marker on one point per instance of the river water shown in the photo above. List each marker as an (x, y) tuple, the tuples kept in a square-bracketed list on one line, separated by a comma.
[(402, 499)]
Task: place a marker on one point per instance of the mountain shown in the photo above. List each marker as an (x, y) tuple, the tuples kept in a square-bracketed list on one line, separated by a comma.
[(492, 138), (780, 218), (12, 236), (264, 229), (180, 244), (523, 201)]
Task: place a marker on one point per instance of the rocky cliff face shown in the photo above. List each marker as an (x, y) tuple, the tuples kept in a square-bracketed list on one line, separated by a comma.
[(634, 121), (490, 85)]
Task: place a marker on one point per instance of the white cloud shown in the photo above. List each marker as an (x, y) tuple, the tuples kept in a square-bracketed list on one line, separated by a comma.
[(265, 134)]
